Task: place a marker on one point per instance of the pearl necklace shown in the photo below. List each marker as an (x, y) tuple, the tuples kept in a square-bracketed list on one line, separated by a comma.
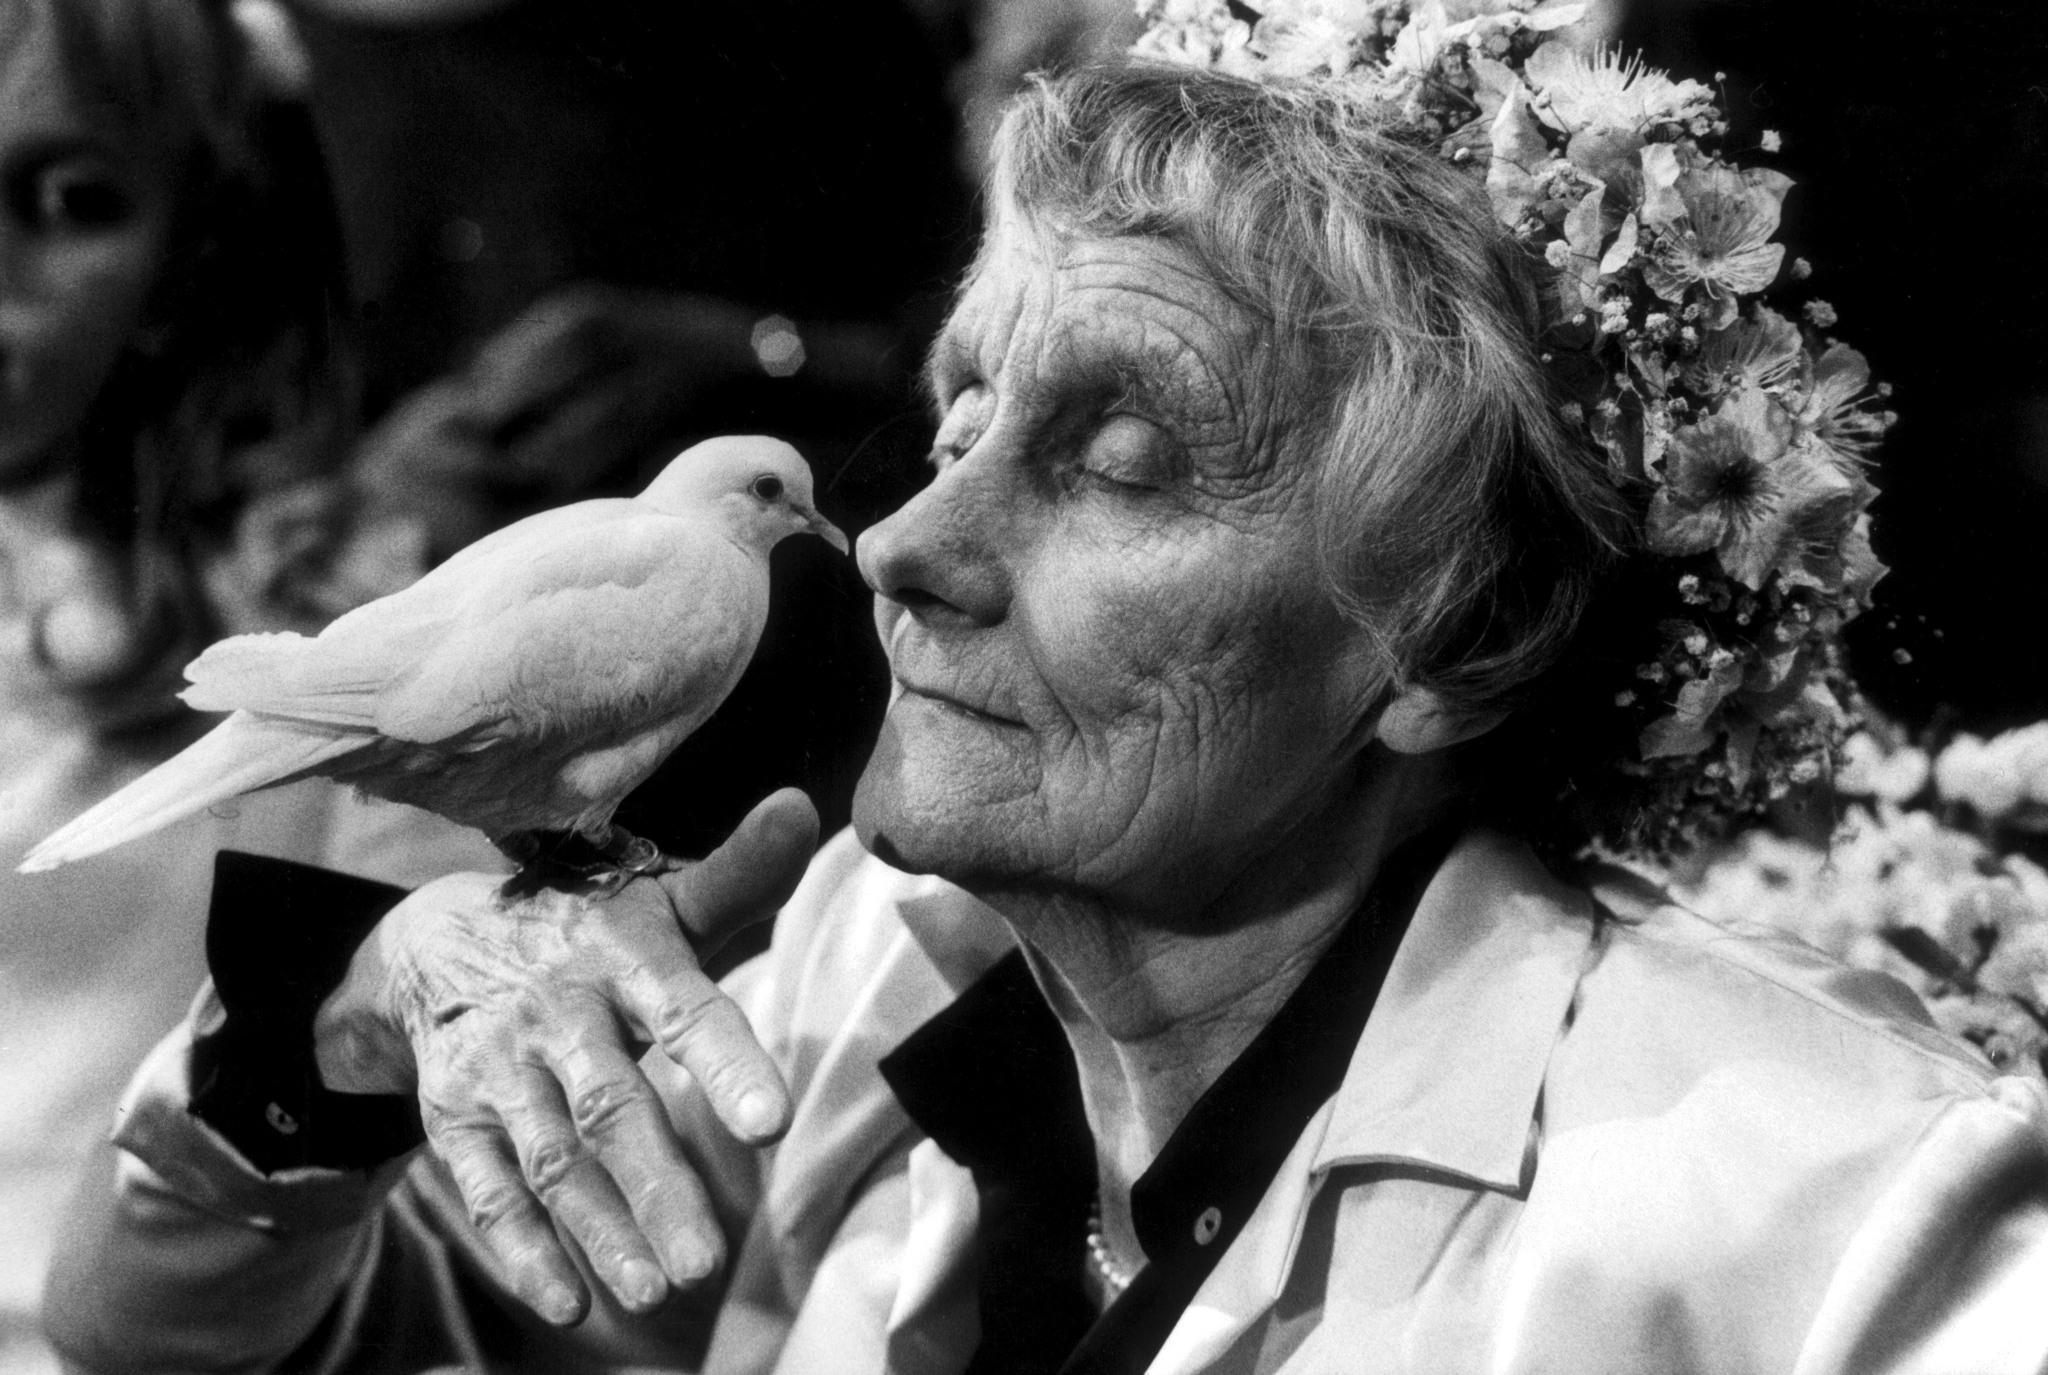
[(1110, 1272)]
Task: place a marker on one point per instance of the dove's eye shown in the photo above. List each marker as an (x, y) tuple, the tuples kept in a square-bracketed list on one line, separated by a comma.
[(768, 487)]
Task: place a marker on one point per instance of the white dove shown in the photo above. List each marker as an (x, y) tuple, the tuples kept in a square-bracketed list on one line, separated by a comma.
[(523, 687)]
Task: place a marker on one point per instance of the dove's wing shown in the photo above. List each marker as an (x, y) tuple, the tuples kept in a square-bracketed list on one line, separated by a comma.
[(333, 679), (587, 638), (325, 684), (559, 627), (337, 678)]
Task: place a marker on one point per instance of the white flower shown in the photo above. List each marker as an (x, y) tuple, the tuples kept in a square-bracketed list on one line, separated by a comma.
[(1305, 47), (1762, 350), (1190, 33), (1996, 776), (1868, 769), (1298, 38), (1608, 91), (2019, 952), (1836, 410), (1713, 228)]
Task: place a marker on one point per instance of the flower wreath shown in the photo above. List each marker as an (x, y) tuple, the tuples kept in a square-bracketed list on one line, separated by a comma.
[(1746, 434)]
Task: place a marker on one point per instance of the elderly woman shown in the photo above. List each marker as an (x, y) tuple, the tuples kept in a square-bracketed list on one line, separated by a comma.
[(1189, 996)]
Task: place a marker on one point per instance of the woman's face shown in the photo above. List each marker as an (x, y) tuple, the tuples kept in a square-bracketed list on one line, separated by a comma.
[(1118, 669), (83, 225)]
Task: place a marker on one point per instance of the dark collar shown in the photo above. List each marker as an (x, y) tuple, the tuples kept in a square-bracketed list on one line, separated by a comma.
[(991, 1079)]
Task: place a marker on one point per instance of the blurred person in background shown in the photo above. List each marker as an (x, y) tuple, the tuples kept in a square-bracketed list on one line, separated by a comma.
[(173, 414), (538, 247)]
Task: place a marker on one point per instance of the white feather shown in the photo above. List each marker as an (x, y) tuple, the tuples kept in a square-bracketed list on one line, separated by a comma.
[(227, 672)]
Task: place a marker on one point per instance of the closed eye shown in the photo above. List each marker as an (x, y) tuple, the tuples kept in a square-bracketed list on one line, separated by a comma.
[(1130, 452)]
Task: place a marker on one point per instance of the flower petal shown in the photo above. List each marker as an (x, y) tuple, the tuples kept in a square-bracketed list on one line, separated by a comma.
[(1518, 150), (1604, 152), (1622, 250), (1662, 205), (1669, 737), (1492, 83), (1554, 14), (1675, 529), (1763, 350), (1861, 568)]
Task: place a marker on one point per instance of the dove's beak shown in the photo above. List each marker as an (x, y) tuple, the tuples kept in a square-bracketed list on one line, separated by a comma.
[(828, 532)]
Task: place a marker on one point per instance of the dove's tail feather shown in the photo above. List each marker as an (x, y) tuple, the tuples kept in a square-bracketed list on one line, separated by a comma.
[(241, 754)]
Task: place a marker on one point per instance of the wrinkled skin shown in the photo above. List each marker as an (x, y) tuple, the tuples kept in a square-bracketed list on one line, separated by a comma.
[(84, 222), (1119, 670), (507, 1018)]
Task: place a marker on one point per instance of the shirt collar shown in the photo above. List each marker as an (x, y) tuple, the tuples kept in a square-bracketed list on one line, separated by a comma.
[(991, 1080), (1448, 1071), (962, 937), (1449, 1068)]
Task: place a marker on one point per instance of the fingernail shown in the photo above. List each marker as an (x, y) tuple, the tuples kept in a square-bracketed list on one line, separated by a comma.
[(643, 1283), (760, 1112), (558, 1304), (692, 1264)]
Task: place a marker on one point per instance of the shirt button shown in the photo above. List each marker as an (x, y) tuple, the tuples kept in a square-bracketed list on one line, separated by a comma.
[(1208, 1225), (280, 1121)]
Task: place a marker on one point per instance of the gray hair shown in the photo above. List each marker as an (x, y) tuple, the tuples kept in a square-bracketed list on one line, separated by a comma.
[(1458, 520)]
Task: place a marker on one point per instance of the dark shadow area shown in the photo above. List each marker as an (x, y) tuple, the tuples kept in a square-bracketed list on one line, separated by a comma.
[(1918, 133)]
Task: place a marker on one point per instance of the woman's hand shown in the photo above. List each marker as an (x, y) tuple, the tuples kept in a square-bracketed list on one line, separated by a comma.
[(513, 1020)]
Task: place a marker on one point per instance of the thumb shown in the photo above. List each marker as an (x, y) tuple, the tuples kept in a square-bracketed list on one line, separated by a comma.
[(750, 876)]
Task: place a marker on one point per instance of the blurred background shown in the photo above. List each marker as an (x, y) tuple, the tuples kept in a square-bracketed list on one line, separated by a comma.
[(296, 298)]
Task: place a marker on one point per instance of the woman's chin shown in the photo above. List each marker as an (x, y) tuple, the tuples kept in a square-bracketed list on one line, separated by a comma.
[(921, 842), (952, 802)]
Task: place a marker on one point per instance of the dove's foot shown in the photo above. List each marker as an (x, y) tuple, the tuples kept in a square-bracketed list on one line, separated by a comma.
[(575, 862), (632, 854)]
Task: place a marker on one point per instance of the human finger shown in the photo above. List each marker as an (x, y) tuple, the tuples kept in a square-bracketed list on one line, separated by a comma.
[(509, 1218), (619, 1117), (563, 1174), (750, 876), (696, 1025)]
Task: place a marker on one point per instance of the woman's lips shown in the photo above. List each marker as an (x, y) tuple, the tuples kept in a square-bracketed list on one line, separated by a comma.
[(942, 698), (927, 668)]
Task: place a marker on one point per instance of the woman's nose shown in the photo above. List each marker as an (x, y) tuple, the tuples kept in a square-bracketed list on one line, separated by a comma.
[(941, 556)]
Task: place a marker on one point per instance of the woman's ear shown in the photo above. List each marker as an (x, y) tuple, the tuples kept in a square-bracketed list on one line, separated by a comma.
[(1418, 721)]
